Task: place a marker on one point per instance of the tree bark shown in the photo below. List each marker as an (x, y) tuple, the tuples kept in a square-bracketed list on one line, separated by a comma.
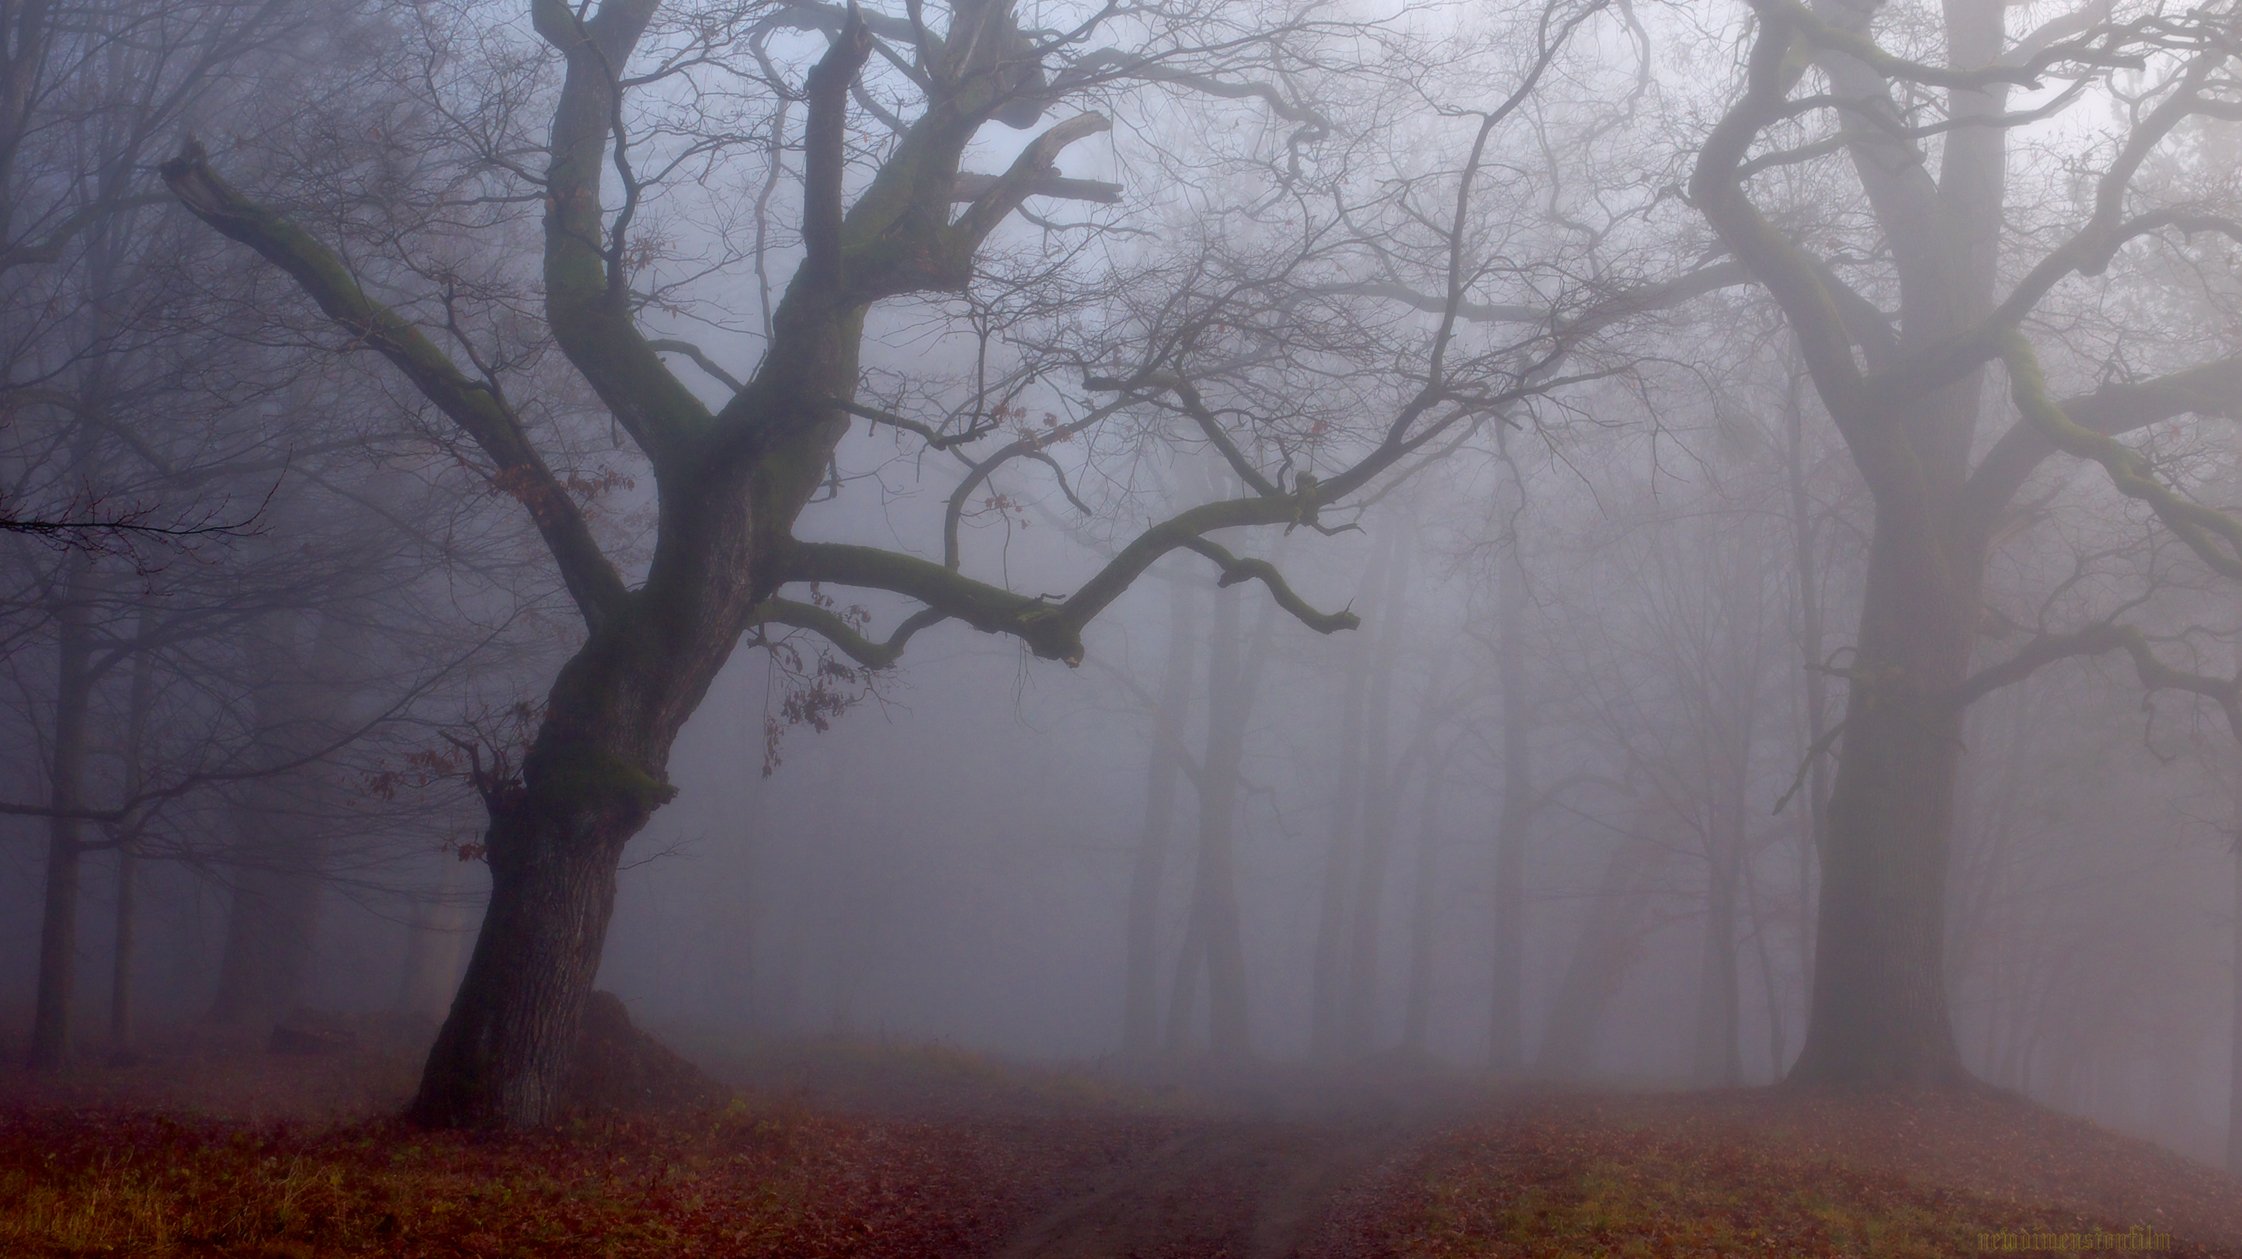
[(54, 1010), (1416, 1014), (1235, 667), (1140, 1024), (1505, 1015), (1879, 1012), (508, 1041), (1381, 808), (1327, 967)]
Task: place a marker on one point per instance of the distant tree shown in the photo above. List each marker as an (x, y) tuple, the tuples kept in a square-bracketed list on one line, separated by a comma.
[(1959, 261)]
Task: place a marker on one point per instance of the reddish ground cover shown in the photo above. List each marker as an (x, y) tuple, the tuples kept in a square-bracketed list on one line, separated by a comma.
[(883, 1150), (1780, 1172)]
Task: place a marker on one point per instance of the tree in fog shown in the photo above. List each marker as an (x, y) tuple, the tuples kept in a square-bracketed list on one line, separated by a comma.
[(1966, 258)]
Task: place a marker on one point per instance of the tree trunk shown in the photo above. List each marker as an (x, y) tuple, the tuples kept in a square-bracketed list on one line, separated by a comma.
[(1140, 1026), (1719, 1051), (1505, 1021), (1812, 648), (1328, 964), (55, 1006), (2234, 1051), (1416, 1013), (122, 954), (1381, 807), (1879, 1013), (2234, 1059), (507, 1043), (1234, 671)]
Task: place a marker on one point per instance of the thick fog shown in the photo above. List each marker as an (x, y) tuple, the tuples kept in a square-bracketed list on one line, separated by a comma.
[(1714, 486)]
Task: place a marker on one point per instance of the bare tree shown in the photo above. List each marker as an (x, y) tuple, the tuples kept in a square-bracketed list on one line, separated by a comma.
[(1899, 342)]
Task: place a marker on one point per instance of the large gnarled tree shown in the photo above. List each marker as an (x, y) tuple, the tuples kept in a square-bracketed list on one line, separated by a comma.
[(886, 212)]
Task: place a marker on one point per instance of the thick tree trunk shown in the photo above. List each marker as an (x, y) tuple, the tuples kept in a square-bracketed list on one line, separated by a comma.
[(435, 941), (506, 1045), (1879, 1012), (2234, 1049), (2234, 1058), (273, 920), (1416, 1011)]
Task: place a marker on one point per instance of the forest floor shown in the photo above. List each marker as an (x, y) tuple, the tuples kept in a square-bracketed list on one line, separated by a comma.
[(849, 1148)]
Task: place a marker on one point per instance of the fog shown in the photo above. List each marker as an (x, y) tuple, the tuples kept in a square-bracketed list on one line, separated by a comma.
[(1497, 543)]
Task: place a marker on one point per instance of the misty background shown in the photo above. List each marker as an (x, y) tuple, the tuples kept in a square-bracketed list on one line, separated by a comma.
[(1551, 812)]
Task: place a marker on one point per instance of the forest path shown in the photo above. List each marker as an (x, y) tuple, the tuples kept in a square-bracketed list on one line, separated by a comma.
[(1233, 1189)]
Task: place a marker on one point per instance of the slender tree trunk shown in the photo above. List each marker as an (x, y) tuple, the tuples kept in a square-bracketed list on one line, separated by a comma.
[(1139, 1004), (1770, 991), (1381, 807), (1234, 670), (1505, 1021), (54, 1009), (123, 954), (1425, 896), (1719, 1055), (1326, 1022)]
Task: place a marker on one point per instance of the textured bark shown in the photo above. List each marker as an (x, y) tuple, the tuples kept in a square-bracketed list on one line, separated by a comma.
[(506, 1047)]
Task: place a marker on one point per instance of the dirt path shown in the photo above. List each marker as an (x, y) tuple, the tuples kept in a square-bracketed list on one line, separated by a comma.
[(1240, 1189)]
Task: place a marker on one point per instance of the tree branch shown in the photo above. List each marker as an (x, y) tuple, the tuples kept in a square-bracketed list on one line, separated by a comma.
[(478, 412)]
